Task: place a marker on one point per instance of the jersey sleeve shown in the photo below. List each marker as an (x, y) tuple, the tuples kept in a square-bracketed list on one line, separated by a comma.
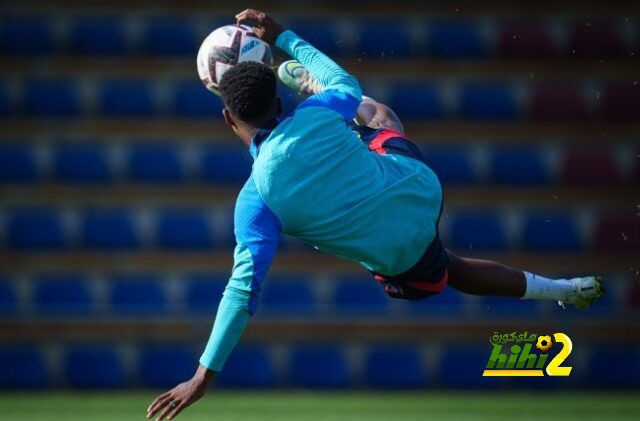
[(342, 91), (257, 231)]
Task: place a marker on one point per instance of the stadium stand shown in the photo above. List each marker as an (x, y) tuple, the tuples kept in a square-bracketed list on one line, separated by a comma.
[(139, 294), (22, 367), (109, 229), (248, 367), (82, 163), (455, 40), (165, 365), (97, 35), (17, 163), (93, 367), (394, 367), (318, 367), (62, 295)]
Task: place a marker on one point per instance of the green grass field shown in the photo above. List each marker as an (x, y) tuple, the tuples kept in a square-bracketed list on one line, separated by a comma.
[(302, 406)]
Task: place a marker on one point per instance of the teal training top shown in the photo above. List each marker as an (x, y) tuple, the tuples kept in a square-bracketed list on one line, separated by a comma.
[(314, 179)]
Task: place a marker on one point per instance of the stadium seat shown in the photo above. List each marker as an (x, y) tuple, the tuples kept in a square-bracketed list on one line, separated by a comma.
[(8, 299), (447, 302), (204, 292), (287, 295), (109, 229), (632, 294), (520, 166), (62, 295), (451, 164), (248, 366), (22, 367), (417, 100), (17, 163), (613, 368), (321, 34), (51, 98), (184, 229), (551, 231), (524, 40), (192, 100), (455, 40), (156, 162), (93, 367), (385, 39), (617, 231), (488, 101), (137, 294), (5, 101), (360, 295), (586, 165), (222, 164), (127, 98), (171, 36), (82, 163), (162, 366), (507, 306), (394, 367), (26, 34), (35, 229), (621, 102), (461, 367), (98, 35), (318, 367), (478, 231), (596, 40), (558, 102)]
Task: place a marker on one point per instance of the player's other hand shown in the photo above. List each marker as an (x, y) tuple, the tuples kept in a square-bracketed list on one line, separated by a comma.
[(264, 26), (171, 403)]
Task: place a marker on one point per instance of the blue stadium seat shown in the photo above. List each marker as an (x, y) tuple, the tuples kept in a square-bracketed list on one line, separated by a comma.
[(137, 294), (360, 295), (171, 36), (416, 100), (318, 367), (163, 366), (455, 40), (155, 163), (287, 295), (461, 367), (248, 366), (26, 35), (82, 163), (109, 229), (614, 368), (128, 98), (488, 101), (478, 231), (22, 367), (62, 295), (17, 163), (551, 231), (192, 100), (98, 35), (451, 164), (394, 367), (446, 302), (385, 39), (5, 102), (93, 367), (321, 34), (225, 164), (518, 166), (35, 229), (509, 306), (204, 292), (8, 298), (51, 98), (184, 229)]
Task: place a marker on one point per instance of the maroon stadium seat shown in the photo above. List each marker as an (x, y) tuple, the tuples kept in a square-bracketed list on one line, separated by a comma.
[(525, 40), (621, 101), (558, 102), (596, 40), (590, 166), (618, 232)]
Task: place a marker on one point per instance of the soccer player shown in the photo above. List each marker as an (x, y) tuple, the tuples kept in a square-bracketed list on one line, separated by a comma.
[(362, 193)]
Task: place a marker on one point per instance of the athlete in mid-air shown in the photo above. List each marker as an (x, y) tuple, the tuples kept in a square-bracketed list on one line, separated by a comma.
[(360, 192)]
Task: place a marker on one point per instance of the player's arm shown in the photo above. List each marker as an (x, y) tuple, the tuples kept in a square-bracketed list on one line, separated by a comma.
[(257, 231)]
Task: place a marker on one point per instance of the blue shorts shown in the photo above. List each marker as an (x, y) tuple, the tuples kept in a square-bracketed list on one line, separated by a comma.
[(429, 275)]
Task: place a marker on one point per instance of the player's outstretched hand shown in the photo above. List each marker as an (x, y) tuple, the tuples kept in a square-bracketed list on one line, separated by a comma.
[(264, 26), (171, 403)]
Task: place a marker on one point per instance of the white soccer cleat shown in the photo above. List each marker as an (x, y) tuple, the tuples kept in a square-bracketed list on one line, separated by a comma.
[(587, 290), (295, 76)]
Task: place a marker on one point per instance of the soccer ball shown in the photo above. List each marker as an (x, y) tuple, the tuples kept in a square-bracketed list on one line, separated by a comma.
[(544, 343), (224, 48)]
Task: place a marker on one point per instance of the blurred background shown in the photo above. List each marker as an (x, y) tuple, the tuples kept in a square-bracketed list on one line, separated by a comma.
[(118, 180)]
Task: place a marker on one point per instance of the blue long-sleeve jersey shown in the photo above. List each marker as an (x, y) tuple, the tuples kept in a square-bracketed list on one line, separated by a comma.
[(313, 178)]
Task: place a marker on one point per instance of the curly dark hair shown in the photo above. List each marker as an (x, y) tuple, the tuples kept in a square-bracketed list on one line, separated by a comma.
[(248, 90)]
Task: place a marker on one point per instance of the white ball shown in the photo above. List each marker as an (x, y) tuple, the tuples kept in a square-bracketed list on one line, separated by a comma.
[(224, 48)]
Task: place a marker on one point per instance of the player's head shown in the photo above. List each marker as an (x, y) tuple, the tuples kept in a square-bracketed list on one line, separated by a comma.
[(249, 93)]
